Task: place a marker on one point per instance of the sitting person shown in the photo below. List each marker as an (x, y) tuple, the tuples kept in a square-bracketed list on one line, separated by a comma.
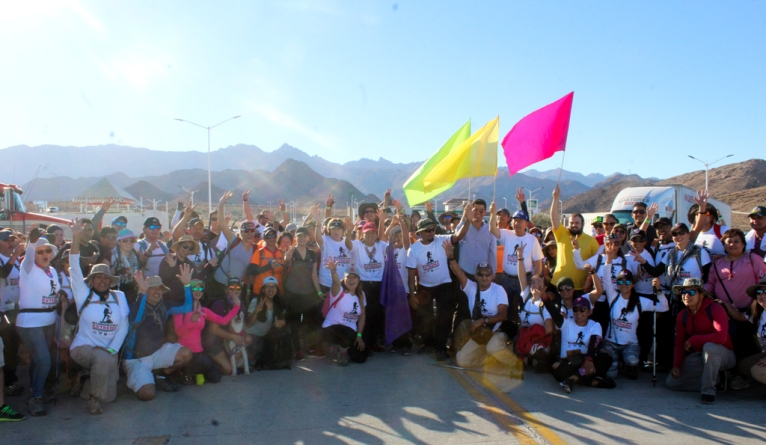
[(266, 323), (148, 359), (7, 414), (344, 322), (703, 346), (213, 336), (535, 323), (189, 328), (581, 360), (102, 327), (479, 337), (755, 365)]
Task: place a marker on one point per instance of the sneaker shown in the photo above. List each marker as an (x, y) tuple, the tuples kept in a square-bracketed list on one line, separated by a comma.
[(343, 358), (299, 356), (393, 349), (94, 405), (567, 385), (8, 414), (164, 383), (406, 351), (36, 407), (604, 382), (427, 349), (441, 356), (317, 353), (707, 399), (738, 383), (13, 390), (631, 372)]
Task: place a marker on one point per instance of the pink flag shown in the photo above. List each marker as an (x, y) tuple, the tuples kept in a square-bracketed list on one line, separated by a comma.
[(538, 135)]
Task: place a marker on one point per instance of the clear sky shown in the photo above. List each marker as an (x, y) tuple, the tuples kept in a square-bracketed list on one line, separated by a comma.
[(653, 80)]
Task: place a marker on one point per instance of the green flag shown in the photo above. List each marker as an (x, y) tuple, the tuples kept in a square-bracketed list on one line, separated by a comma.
[(415, 187)]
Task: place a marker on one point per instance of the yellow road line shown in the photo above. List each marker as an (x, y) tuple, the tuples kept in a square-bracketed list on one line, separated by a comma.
[(517, 409), (498, 414)]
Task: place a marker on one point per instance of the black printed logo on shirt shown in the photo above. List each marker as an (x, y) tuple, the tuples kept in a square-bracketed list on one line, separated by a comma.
[(105, 326)]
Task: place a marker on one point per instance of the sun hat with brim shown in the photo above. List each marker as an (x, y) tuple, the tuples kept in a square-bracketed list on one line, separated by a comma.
[(194, 221), (425, 224), (367, 205), (5, 234), (156, 281), (186, 239), (751, 290), (125, 234), (101, 269), (691, 283), (547, 246), (337, 224), (43, 242)]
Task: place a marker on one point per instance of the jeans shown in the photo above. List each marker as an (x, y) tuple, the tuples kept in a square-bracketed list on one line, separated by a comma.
[(374, 327), (435, 330), (700, 369), (303, 311), (38, 341), (629, 353), (345, 337), (513, 289)]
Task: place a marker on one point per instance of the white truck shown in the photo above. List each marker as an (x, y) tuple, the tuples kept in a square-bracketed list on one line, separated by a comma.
[(674, 202)]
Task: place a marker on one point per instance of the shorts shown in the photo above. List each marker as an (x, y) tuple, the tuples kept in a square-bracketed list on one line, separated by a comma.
[(140, 370), (2, 357)]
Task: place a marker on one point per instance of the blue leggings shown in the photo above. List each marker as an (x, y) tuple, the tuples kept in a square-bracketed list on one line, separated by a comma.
[(38, 342)]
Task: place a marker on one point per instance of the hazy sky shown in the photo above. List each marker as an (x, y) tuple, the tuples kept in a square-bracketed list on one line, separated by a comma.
[(653, 81)]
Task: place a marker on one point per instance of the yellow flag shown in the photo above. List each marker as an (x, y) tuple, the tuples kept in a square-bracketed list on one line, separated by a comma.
[(476, 156)]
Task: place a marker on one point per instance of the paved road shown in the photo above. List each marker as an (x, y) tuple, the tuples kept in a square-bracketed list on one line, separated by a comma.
[(395, 399)]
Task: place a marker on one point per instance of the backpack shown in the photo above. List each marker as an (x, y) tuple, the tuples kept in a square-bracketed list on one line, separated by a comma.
[(277, 349), (143, 245)]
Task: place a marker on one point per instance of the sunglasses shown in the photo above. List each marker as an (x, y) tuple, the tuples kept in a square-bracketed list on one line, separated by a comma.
[(704, 213), (213, 219), (624, 282), (44, 251), (483, 275), (448, 217), (187, 247), (235, 287), (128, 241), (198, 289), (272, 236), (675, 234), (598, 226), (369, 211), (639, 212), (609, 224), (111, 238), (565, 288), (249, 231), (639, 240), (429, 230), (760, 291), (154, 227), (579, 309), (120, 223), (620, 232), (691, 292)]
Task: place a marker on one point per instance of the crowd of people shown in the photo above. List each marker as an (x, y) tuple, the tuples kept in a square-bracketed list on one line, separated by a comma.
[(188, 305)]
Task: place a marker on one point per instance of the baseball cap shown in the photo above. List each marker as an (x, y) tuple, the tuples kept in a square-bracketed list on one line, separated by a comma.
[(194, 221), (269, 232), (5, 234), (119, 218), (483, 266), (302, 231), (625, 274), (757, 211), (664, 221), (597, 220), (679, 226), (124, 234), (369, 227), (337, 224), (521, 215), (247, 225), (565, 281), (425, 224), (290, 227), (581, 302), (505, 211), (234, 281), (311, 222), (351, 271), (637, 233), (152, 221), (271, 280), (53, 227), (612, 237)]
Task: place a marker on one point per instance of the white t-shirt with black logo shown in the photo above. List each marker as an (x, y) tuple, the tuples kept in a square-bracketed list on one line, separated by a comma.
[(690, 268), (533, 312), (431, 261), (346, 312), (369, 261), (9, 286), (643, 283), (710, 240), (488, 299), (532, 251), (575, 337), (338, 251)]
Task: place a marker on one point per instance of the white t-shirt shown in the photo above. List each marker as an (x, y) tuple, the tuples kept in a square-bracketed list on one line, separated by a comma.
[(401, 258), (152, 267), (643, 283), (488, 299), (761, 331), (622, 324), (9, 287), (690, 268), (709, 240), (574, 337), (369, 261), (38, 289), (617, 262), (532, 251), (346, 312), (661, 258), (66, 285), (431, 261), (533, 312), (338, 251)]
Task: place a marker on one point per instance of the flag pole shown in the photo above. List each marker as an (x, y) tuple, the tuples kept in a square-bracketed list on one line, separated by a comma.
[(561, 169), (494, 189), (469, 189)]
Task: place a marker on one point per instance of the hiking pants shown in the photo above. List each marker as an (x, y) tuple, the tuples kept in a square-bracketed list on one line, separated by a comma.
[(435, 330), (104, 372), (38, 342), (345, 337), (700, 369)]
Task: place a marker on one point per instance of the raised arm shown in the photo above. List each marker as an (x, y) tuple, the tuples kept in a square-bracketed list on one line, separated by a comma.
[(28, 263), (285, 216), (246, 206), (598, 287), (522, 200), (332, 265), (382, 227), (555, 210), (466, 223), (701, 201), (80, 290), (650, 212), (328, 203), (178, 228), (522, 269), (493, 229), (225, 229), (347, 239), (454, 267)]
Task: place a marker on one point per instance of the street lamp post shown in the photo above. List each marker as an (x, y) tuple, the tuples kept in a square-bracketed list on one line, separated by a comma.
[(505, 200), (708, 164), (531, 192), (209, 183), (269, 203), (192, 192)]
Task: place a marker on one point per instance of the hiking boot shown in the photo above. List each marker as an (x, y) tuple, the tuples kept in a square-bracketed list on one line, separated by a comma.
[(441, 356), (36, 407), (406, 351), (8, 414), (79, 380), (343, 358), (631, 372), (738, 383), (299, 357), (94, 405), (427, 349), (13, 390), (707, 399), (567, 385), (164, 383)]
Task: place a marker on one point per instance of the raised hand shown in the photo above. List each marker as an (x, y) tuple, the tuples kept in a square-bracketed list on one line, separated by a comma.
[(387, 197), (331, 264), (107, 204), (225, 198), (397, 205), (188, 210), (448, 249), (429, 206), (246, 196), (381, 215), (468, 211), (557, 193), (651, 211), (347, 221), (186, 274), (213, 261), (520, 195), (141, 282), (329, 202), (282, 205), (170, 258), (492, 208), (701, 200), (77, 229), (520, 250)]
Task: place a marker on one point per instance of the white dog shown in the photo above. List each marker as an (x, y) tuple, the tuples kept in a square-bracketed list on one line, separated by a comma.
[(237, 326)]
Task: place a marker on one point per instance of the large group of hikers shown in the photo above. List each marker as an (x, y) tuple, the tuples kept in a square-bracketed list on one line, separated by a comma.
[(162, 309)]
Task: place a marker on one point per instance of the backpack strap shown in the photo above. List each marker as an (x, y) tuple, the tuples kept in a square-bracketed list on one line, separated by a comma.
[(340, 297), (717, 231)]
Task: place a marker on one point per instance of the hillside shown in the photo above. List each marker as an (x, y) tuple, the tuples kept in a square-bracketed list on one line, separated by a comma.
[(600, 197)]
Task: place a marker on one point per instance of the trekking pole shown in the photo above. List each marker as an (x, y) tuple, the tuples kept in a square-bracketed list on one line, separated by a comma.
[(654, 342), (58, 352)]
